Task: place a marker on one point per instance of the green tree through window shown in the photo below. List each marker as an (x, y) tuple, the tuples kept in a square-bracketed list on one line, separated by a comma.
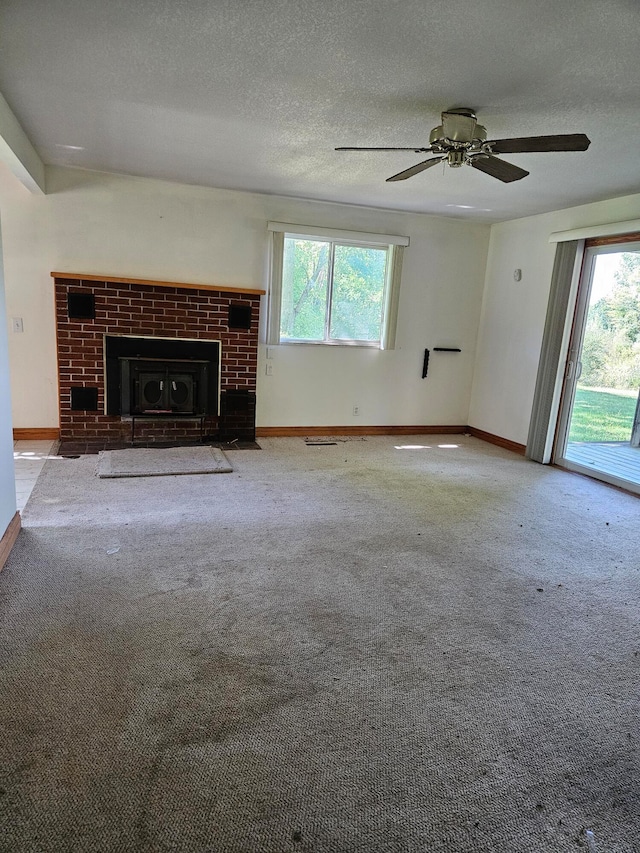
[(611, 347), (332, 292)]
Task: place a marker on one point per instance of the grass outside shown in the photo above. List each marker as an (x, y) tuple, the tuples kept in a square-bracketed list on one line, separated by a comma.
[(602, 415)]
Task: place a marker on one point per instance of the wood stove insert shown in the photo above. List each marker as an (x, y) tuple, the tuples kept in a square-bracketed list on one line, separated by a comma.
[(162, 377)]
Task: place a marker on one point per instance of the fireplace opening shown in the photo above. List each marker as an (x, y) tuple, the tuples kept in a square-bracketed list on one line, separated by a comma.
[(162, 377)]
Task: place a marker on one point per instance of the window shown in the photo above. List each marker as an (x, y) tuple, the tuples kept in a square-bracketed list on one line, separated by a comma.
[(333, 287)]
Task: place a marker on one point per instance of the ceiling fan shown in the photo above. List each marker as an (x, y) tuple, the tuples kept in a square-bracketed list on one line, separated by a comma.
[(461, 140)]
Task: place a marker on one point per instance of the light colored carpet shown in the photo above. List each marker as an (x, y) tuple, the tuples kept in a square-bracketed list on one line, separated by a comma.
[(162, 462), (415, 645)]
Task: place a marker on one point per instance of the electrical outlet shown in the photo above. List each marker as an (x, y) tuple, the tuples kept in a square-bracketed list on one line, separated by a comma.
[(356, 411), (269, 370), (17, 325)]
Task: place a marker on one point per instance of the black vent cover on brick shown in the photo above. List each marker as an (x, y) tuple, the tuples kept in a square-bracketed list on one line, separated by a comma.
[(237, 400), (237, 415), (81, 306), (239, 317), (84, 399)]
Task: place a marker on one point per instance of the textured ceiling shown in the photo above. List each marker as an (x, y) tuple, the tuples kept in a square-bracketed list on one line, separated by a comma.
[(255, 95)]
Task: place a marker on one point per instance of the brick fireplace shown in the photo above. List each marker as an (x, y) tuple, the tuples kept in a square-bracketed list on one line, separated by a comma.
[(175, 361)]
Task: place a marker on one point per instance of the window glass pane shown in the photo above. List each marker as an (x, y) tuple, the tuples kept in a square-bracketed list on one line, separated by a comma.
[(304, 289), (358, 290)]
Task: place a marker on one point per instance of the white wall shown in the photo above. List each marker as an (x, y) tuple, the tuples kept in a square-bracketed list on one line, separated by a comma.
[(513, 313), (7, 479), (96, 223)]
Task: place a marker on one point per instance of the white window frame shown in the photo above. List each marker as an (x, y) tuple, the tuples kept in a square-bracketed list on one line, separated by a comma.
[(393, 244)]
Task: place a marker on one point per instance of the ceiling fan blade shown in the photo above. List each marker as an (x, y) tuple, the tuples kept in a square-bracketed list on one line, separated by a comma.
[(499, 169), (414, 170), (358, 148), (524, 144)]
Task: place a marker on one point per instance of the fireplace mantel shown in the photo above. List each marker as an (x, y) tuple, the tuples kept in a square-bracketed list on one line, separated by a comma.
[(79, 276)]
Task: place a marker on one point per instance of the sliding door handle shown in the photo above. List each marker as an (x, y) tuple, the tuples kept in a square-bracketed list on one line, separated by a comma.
[(573, 370)]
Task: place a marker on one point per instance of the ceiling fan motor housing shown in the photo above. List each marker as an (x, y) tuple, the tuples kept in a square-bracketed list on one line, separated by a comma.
[(458, 128)]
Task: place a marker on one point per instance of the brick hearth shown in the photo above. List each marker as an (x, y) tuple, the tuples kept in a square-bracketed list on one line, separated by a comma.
[(154, 309)]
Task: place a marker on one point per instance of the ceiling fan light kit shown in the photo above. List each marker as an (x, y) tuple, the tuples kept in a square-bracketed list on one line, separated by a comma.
[(461, 141)]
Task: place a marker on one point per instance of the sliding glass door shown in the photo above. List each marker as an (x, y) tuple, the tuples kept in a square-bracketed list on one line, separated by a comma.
[(599, 425)]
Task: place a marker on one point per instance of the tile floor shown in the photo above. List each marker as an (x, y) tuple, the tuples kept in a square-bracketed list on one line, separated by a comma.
[(29, 458)]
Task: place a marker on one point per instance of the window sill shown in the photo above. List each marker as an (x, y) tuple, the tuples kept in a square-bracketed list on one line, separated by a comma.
[(365, 344)]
